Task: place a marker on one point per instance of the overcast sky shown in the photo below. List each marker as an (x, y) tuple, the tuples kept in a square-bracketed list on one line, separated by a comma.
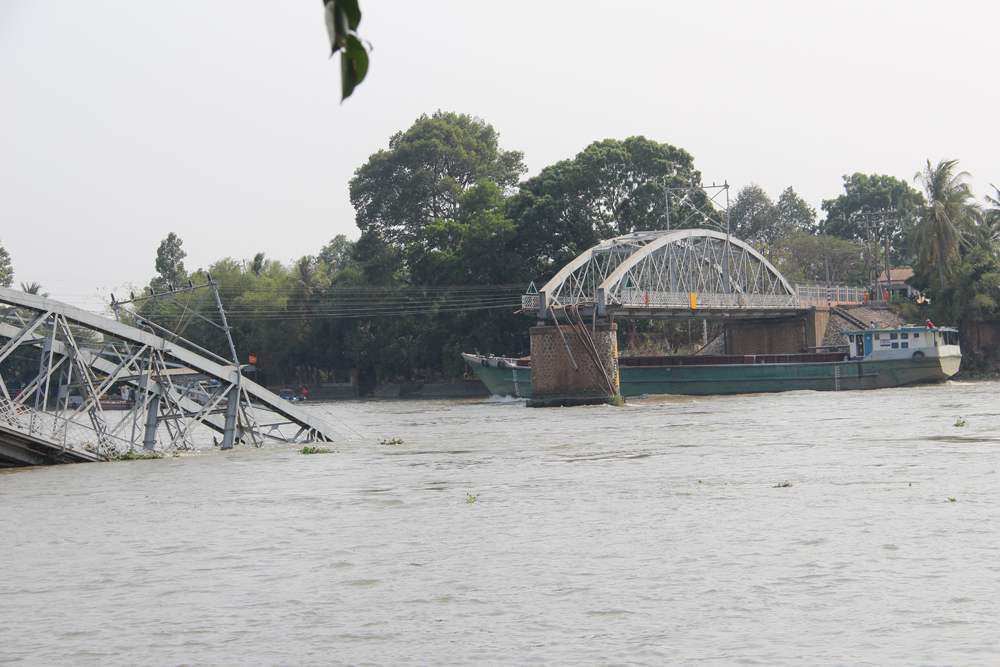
[(221, 121)]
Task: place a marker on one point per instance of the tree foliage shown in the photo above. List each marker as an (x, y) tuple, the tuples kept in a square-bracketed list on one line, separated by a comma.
[(753, 217), (874, 192), (342, 19), (794, 214), (949, 217), (804, 258), (398, 192), (169, 263), (6, 269), (610, 188)]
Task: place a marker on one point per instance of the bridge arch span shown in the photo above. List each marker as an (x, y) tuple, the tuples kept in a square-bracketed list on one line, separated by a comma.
[(646, 274)]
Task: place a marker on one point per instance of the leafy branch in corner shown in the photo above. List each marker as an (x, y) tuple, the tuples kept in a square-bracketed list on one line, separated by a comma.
[(342, 19)]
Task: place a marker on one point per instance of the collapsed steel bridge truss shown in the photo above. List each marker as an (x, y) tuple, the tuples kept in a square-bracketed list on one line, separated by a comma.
[(171, 388), (657, 274)]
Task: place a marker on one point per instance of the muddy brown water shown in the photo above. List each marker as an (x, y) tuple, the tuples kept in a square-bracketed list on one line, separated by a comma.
[(782, 529)]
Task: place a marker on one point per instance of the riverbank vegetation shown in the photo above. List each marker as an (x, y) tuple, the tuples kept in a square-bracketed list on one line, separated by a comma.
[(451, 235)]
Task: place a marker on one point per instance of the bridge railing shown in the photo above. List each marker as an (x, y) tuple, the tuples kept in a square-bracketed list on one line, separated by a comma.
[(60, 431), (637, 298), (821, 295), (806, 295)]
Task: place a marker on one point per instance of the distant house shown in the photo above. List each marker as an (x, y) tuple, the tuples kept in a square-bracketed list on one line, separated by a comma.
[(895, 282)]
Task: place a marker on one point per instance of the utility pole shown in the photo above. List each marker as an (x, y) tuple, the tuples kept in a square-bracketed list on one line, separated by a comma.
[(885, 233)]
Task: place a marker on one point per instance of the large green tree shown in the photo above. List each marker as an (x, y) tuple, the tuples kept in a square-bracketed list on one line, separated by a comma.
[(611, 188), (794, 214), (870, 192), (753, 217), (424, 173), (949, 217)]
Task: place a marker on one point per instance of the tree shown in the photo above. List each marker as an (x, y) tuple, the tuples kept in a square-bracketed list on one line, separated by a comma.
[(805, 258), (258, 264), (876, 192), (169, 263), (6, 270), (610, 188), (472, 250), (949, 215), (33, 288), (422, 176), (753, 217), (337, 253), (794, 214), (993, 214)]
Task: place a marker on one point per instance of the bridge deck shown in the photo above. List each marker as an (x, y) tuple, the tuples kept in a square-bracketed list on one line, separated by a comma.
[(20, 448)]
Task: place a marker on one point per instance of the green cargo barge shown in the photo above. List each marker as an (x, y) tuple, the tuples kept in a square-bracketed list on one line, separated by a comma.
[(876, 359)]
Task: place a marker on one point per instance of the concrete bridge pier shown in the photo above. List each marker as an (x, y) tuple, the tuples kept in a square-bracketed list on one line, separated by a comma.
[(567, 369)]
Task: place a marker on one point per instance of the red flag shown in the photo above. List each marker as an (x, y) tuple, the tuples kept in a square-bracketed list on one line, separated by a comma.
[(253, 359)]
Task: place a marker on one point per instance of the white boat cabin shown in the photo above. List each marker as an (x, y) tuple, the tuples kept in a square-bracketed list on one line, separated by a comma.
[(905, 342)]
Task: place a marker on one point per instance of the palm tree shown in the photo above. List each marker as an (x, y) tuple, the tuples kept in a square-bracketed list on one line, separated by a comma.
[(950, 216), (993, 214), (34, 288)]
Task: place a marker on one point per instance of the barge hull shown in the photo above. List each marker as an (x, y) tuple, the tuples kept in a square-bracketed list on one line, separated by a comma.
[(749, 378)]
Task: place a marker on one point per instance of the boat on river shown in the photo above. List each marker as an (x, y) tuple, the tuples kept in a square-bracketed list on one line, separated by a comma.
[(875, 359)]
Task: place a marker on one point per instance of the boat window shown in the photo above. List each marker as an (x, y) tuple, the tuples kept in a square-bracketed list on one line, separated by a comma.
[(904, 336), (876, 336), (893, 336), (904, 344), (895, 346), (916, 335)]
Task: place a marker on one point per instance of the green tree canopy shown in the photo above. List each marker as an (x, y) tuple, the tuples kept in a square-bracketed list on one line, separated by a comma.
[(610, 188), (337, 253), (472, 250), (6, 270), (753, 217), (876, 192), (949, 217), (423, 175), (804, 258), (794, 214), (169, 262)]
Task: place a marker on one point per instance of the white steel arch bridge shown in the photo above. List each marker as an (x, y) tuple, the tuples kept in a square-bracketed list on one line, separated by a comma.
[(62, 413), (681, 273)]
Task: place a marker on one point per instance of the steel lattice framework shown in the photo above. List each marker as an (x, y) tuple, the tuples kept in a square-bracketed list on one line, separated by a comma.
[(60, 413), (654, 274)]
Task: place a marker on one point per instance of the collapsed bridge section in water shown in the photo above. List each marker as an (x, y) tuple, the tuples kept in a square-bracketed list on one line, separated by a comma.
[(63, 362)]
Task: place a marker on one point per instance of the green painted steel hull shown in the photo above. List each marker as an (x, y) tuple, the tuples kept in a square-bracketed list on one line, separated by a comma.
[(744, 378), (763, 378), (509, 380)]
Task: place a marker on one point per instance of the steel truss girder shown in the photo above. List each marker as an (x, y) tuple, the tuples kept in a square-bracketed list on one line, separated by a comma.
[(658, 271), (139, 359)]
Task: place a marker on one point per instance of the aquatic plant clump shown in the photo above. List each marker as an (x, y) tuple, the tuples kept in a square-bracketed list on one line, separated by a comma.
[(133, 455)]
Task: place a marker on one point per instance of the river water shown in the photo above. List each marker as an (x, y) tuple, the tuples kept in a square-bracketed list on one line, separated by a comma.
[(656, 534)]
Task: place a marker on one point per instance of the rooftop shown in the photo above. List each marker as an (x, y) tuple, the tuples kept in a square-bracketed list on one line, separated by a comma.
[(896, 275)]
